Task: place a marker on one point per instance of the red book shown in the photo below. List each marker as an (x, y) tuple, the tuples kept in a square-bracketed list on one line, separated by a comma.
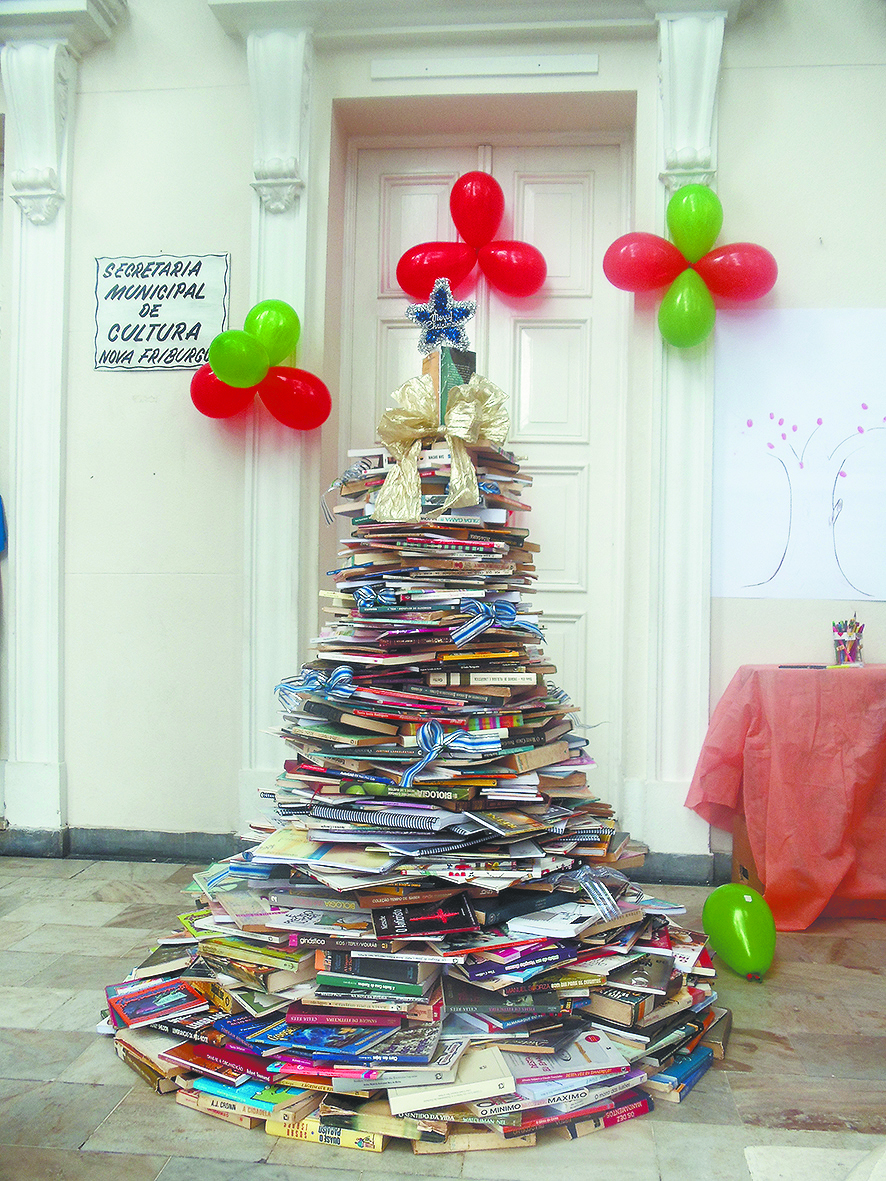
[(533, 1121), (299, 1014), (634, 1103), (192, 1057), (242, 1060)]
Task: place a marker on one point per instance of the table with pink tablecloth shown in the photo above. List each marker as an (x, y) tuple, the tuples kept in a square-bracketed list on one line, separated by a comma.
[(801, 754)]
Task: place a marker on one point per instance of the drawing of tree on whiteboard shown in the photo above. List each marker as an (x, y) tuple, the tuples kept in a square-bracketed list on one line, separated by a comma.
[(814, 468), (799, 459)]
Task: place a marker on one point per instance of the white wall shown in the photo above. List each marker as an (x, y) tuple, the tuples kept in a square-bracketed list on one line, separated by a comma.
[(802, 156), (154, 493)]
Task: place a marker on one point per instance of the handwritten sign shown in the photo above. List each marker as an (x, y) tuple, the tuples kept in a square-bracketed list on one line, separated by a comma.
[(159, 312)]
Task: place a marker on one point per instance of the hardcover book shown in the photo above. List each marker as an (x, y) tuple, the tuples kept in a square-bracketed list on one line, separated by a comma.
[(425, 920), (155, 1002)]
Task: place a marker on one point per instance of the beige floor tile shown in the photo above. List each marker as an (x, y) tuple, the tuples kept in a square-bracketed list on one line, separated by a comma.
[(626, 1152), (39, 867), (810, 1104), (763, 1050), (11, 935), (16, 1164), (39, 1055), (135, 893), (64, 939), (182, 1169), (134, 871), (150, 1123), (98, 1063), (723, 1150), (160, 919), (69, 912), (26, 1008), (709, 1102), (53, 1115), (20, 967), (79, 1014), (776, 1163), (83, 971), (834, 1055)]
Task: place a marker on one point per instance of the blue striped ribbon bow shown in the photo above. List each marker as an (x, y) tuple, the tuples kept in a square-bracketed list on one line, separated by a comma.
[(370, 596), (434, 742), (339, 683), (501, 613), (353, 473)]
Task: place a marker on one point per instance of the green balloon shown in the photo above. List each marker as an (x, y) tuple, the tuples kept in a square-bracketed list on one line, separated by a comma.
[(740, 929), (686, 314), (695, 217), (276, 325), (238, 359)]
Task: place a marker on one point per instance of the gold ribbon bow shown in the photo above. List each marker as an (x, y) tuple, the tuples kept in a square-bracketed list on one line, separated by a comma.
[(474, 411)]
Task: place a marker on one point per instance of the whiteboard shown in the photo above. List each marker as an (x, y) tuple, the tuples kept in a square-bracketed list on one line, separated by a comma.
[(799, 464)]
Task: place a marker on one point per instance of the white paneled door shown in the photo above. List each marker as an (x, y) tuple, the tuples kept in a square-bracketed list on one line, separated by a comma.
[(559, 355)]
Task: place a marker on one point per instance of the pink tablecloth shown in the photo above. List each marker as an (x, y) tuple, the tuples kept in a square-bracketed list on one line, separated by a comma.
[(802, 754)]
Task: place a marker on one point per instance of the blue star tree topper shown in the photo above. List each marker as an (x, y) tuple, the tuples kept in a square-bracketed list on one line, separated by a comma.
[(441, 319)]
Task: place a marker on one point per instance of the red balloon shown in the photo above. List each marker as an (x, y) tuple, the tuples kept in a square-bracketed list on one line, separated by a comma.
[(295, 397), (739, 271), (516, 268), (421, 266), (215, 399), (477, 205), (642, 262)]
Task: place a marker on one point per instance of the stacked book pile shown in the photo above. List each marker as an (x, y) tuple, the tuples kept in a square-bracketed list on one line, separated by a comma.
[(431, 936), (287, 1005)]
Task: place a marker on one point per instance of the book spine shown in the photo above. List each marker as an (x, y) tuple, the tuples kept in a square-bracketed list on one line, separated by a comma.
[(190, 1099), (318, 1132), (576, 1127), (210, 1037), (387, 1019), (367, 984), (482, 678), (367, 968), (533, 1123)]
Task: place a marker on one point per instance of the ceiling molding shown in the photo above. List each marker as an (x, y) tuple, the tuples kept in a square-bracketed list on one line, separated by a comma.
[(392, 22), (81, 24)]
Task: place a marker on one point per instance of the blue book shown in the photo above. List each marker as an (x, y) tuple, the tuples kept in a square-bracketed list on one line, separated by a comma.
[(684, 1066), (256, 1094)]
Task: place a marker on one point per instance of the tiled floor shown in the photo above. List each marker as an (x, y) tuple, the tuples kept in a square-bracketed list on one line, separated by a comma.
[(804, 1083)]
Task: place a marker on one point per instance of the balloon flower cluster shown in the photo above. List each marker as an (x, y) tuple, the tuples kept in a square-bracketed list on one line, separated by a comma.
[(691, 269), (477, 204), (243, 363)]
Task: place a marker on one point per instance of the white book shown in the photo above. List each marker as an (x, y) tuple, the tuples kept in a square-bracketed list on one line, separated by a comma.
[(590, 1055), (482, 1073), (567, 921)]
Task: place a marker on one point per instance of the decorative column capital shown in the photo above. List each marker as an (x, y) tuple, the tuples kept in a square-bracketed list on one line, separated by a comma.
[(39, 78), (280, 66), (690, 45)]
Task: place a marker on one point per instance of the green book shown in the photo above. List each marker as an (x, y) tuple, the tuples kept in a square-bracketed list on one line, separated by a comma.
[(367, 984)]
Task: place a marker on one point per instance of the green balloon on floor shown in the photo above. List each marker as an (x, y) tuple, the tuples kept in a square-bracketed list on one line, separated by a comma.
[(740, 929)]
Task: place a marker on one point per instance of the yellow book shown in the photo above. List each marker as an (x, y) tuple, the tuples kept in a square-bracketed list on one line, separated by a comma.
[(317, 1132)]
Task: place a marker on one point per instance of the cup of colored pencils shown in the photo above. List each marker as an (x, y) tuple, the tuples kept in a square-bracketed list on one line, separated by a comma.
[(847, 641)]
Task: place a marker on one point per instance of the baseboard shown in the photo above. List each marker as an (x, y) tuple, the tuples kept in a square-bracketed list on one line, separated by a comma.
[(118, 844), (683, 869), (33, 842), (122, 844)]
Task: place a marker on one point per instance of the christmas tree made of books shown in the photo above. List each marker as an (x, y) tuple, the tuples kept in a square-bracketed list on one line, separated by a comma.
[(435, 939)]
